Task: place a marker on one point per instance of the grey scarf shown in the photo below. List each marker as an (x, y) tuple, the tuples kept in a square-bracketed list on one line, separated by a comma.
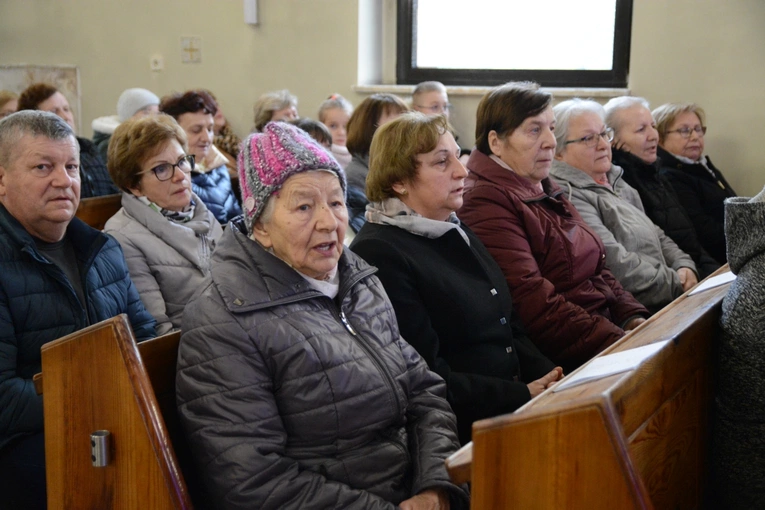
[(393, 211)]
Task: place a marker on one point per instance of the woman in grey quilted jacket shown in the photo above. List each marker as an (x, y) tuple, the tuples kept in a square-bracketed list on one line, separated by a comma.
[(166, 232), (642, 257), (294, 385), (739, 431)]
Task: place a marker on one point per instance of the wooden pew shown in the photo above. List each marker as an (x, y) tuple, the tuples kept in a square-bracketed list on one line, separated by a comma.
[(638, 439), (96, 211), (100, 379)]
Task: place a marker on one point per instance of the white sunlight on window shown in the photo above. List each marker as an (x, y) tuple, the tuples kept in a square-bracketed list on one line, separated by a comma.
[(515, 34)]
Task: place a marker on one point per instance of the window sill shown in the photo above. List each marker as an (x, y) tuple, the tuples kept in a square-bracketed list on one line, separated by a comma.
[(557, 92)]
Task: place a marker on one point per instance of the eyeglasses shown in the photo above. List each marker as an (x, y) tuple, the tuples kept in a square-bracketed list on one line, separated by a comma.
[(685, 132), (436, 108), (592, 139), (166, 171)]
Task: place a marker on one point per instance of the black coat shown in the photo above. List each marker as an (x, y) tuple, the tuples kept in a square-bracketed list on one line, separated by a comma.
[(95, 180), (454, 307), (662, 205), (702, 197)]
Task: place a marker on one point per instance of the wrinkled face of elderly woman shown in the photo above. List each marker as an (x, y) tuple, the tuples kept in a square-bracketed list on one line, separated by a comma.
[(437, 189), (588, 147), (305, 225), (530, 148), (636, 132), (685, 136)]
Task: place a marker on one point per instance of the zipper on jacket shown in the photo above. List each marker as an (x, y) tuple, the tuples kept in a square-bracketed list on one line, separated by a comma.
[(362, 342)]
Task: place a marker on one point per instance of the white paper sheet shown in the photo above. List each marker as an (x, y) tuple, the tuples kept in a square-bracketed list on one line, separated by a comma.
[(612, 364), (715, 281)]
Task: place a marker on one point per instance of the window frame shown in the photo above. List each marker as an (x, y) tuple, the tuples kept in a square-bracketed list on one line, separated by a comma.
[(408, 74)]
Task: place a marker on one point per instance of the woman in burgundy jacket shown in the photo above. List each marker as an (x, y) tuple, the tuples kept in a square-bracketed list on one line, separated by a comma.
[(569, 302)]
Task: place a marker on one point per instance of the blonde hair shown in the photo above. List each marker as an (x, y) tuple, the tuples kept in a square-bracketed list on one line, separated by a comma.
[(665, 116), (332, 102), (7, 95), (270, 102)]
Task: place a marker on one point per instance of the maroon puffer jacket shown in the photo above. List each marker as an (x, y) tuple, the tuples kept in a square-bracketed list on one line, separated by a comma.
[(570, 303)]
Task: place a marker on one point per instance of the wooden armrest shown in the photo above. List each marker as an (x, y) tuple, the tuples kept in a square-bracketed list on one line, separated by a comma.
[(37, 380), (460, 464)]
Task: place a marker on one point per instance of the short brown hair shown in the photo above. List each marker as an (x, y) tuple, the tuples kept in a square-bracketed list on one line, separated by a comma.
[(363, 123), (394, 151), (505, 108), (665, 116), (191, 101), (135, 141), (315, 129), (34, 95)]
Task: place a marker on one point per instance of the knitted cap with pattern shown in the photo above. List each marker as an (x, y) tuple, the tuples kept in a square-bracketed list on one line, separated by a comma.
[(269, 158)]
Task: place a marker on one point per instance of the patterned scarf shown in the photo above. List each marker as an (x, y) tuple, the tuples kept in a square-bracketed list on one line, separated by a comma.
[(175, 216)]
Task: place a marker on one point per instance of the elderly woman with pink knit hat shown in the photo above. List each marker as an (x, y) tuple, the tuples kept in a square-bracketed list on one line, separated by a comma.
[(294, 386)]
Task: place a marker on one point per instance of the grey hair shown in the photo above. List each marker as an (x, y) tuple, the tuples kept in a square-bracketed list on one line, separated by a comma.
[(427, 86), (617, 104), (29, 122), (570, 109)]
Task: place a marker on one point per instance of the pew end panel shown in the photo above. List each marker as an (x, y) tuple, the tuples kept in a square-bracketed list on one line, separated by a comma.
[(95, 379), (637, 439)]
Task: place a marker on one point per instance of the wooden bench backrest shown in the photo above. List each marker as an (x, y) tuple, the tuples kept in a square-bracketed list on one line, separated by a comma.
[(96, 379), (96, 211), (638, 439)]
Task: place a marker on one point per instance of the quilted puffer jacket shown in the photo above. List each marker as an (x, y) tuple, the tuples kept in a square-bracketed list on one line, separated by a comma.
[(291, 399), (38, 305), (555, 265), (213, 187), (662, 205), (168, 261)]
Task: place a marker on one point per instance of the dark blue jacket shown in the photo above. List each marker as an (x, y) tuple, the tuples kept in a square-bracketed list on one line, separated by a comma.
[(214, 189), (38, 305)]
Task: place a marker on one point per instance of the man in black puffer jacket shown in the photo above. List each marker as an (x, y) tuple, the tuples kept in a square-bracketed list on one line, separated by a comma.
[(58, 276)]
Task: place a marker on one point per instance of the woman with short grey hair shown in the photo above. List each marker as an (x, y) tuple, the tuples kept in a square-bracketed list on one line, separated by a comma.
[(644, 260), (634, 149)]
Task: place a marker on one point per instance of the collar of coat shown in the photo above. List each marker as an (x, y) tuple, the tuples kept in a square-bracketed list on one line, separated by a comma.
[(249, 278), (484, 167)]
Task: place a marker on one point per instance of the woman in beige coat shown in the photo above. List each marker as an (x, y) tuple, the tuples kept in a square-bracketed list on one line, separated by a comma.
[(166, 232)]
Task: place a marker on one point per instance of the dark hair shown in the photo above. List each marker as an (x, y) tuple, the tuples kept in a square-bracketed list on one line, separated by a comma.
[(505, 108), (363, 123), (34, 95), (135, 141), (315, 129), (191, 101)]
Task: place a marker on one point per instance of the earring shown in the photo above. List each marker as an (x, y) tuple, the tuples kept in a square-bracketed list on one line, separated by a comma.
[(404, 191)]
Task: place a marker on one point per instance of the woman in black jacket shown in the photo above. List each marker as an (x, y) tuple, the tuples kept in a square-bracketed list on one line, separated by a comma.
[(450, 296), (634, 148), (700, 186)]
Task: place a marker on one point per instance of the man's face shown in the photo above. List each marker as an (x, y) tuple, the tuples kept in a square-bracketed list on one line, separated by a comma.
[(40, 185)]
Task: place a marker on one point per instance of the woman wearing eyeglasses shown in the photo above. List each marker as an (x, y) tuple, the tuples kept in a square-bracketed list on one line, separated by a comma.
[(700, 186), (166, 231), (634, 149), (644, 260)]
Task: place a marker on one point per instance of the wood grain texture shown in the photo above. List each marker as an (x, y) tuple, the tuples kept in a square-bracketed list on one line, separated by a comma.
[(96, 211), (95, 380), (633, 440)]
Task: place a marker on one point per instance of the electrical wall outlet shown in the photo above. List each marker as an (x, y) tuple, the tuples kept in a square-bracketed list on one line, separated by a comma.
[(157, 63)]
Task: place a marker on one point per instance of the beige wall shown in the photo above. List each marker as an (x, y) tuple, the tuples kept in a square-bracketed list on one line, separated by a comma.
[(708, 51)]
